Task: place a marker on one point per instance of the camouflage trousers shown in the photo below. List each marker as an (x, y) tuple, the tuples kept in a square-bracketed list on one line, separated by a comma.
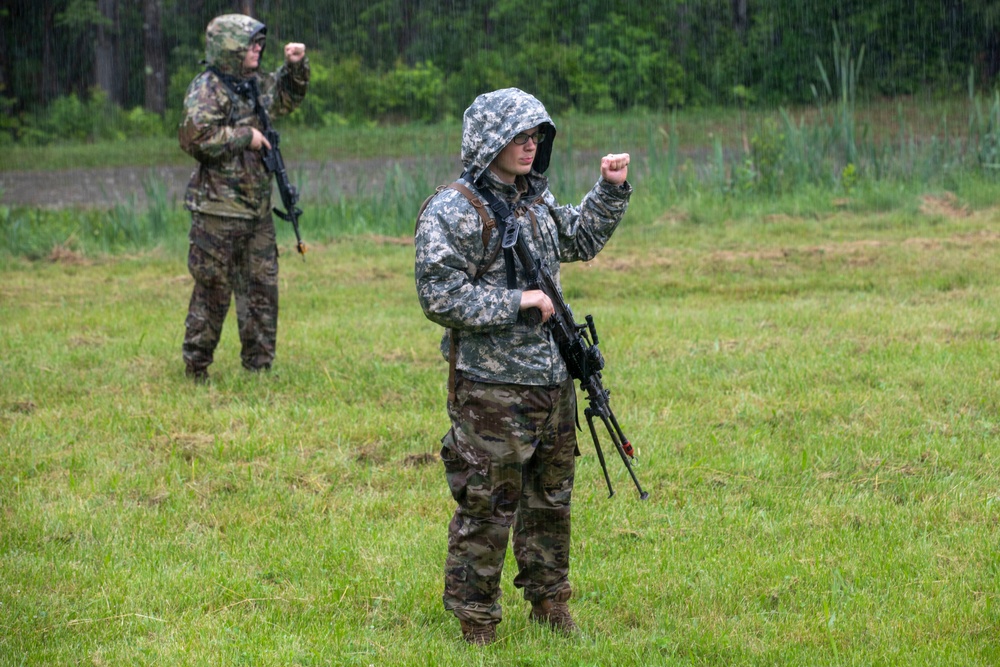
[(509, 459), (227, 257)]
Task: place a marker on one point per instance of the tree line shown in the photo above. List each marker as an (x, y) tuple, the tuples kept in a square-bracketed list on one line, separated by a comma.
[(422, 59)]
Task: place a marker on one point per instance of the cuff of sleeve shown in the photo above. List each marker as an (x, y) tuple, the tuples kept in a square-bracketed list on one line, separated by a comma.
[(298, 69), (622, 191), (243, 136), (515, 298)]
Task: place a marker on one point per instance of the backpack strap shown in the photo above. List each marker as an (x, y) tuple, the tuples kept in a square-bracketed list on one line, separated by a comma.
[(236, 89), (423, 206), (480, 206), (452, 363)]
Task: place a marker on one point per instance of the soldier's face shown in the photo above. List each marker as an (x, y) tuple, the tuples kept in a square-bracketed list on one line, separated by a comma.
[(252, 59), (515, 159)]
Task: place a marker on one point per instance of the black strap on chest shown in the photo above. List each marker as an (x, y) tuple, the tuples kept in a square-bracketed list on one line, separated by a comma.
[(502, 218), (507, 226), (244, 89)]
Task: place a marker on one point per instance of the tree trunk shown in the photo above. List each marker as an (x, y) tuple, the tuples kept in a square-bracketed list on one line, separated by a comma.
[(155, 56), (50, 74), (244, 7), (740, 21), (991, 60), (107, 65), (4, 63), (407, 29)]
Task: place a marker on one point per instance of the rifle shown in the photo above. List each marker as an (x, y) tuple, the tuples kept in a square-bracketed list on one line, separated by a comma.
[(577, 343), (275, 164), (578, 347)]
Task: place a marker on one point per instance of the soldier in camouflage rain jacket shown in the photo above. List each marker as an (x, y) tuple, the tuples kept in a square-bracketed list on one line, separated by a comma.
[(233, 248), (509, 456)]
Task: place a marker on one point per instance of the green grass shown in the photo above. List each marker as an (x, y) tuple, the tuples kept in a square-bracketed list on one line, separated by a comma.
[(812, 388)]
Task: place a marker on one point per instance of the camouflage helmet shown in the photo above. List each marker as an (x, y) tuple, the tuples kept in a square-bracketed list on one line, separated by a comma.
[(227, 39), (494, 119)]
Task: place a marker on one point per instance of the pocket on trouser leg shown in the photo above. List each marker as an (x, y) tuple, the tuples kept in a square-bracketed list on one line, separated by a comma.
[(457, 471), (208, 259)]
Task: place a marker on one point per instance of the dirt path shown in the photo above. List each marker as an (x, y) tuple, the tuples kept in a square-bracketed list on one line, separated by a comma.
[(318, 181)]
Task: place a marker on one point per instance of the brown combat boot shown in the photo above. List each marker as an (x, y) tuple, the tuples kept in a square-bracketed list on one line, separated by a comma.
[(198, 375), (479, 634), (554, 614)]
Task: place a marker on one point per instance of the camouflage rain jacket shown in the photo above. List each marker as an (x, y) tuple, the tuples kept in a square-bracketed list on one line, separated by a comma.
[(495, 344), (231, 180)]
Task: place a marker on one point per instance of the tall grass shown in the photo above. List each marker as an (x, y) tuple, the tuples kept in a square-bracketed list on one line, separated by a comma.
[(984, 133), (846, 68), (813, 159)]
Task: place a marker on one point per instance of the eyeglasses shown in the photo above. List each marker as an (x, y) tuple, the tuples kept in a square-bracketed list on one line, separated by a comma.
[(522, 138), (258, 41)]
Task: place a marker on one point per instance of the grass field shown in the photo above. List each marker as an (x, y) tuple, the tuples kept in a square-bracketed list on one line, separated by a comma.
[(813, 394)]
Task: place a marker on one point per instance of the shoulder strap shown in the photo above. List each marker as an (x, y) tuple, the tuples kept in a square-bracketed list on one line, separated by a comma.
[(476, 202), (239, 89), (423, 207), (480, 206)]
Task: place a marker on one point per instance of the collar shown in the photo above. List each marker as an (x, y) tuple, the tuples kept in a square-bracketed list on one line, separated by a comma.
[(522, 187)]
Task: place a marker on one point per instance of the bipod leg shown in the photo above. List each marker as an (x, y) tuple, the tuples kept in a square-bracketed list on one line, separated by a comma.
[(619, 440), (589, 412)]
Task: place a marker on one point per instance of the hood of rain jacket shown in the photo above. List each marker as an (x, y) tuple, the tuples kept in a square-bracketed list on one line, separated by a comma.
[(494, 119), (227, 39)]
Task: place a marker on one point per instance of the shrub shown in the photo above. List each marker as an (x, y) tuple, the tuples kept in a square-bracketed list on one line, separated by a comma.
[(630, 62), (410, 92), (347, 90), (338, 91), (481, 71), (767, 146), (10, 124), (141, 123), (69, 117)]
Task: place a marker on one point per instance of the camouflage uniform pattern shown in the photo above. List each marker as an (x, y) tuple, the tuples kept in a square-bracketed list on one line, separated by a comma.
[(232, 256), (232, 239), (521, 442), (495, 343), (231, 179), (509, 455)]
